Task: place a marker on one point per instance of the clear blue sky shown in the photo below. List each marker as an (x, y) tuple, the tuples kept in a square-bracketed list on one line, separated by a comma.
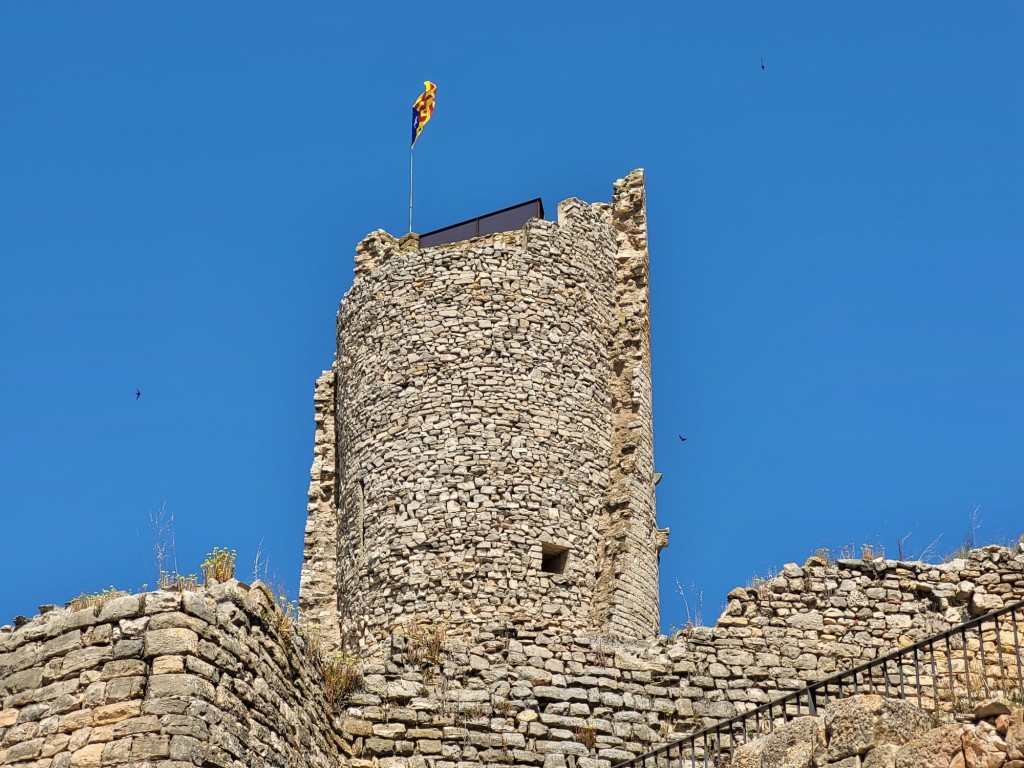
[(836, 258)]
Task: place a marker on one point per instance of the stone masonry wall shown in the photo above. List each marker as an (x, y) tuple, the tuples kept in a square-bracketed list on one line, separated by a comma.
[(513, 695), (630, 538), (469, 380), (204, 677), (813, 621), (875, 732), (319, 587), (493, 453), (162, 679)]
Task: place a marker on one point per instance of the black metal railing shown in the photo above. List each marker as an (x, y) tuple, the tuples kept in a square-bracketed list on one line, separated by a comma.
[(945, 673)]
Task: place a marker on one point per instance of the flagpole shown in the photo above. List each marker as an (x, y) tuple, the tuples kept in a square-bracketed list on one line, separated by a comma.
[(411, 150)]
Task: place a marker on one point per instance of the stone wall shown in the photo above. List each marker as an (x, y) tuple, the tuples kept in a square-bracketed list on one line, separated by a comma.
[(492, 445), (318, 591), (162, 679), (630, 539), (874, 732), (516, 695), (205, 676)]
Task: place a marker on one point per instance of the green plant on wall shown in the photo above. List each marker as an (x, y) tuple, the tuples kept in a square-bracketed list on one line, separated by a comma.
[(95, 600), (342, 676), (178, 581), (219, 566)]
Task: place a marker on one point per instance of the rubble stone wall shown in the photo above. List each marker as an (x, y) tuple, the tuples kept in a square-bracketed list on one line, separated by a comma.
[(492, 438), (205, 677), (162, 679), (875, 732), (515, 695), (630, 539), (318, 590)]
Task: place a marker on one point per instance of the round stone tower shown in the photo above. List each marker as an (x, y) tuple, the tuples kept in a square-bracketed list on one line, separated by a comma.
[(484, 449)]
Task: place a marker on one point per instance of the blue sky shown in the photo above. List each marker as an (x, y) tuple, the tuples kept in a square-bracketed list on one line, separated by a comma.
[(836, 266)]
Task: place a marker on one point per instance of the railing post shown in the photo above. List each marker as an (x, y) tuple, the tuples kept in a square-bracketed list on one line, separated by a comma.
[(917, 677), (999, 655), (1016, 651)]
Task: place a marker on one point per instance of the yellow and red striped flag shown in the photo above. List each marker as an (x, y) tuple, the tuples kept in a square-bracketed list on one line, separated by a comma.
[(422, 110)]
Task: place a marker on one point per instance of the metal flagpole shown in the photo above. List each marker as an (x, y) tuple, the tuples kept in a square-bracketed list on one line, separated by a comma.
[(411, 150)]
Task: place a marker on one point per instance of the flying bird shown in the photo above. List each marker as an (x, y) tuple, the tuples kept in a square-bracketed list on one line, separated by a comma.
[(682, 439), (762, 63), (137, 393)]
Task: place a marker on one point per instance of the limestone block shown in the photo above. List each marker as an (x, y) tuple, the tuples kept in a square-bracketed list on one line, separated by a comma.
[(116, 752), (86, 658), (183, 686), (55, 744), (855, 725), (187, 749), (112, 713), (19, 681), (881, 756), (982, 603), (983, 747), (991, 708), (89, 756), (168, 665), (60, 645), (933, 749), (29, 749), (126, 607), (137, 725), (1015, 736)]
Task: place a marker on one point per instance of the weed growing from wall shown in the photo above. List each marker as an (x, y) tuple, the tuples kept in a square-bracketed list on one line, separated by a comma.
[(342, 677), (586, 734), (96, 600), (693, 602), (178, 582), (219, 566), (425, 644)]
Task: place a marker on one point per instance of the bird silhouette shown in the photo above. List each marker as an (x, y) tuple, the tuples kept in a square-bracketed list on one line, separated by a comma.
[(682, 439), (762, 63), (137, 393)]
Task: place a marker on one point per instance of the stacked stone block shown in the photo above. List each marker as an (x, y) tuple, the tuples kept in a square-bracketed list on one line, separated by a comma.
[(874, 732), (319, 581), (630, 539), (161, 679)]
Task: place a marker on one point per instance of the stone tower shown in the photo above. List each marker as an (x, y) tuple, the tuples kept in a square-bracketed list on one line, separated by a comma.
[(484, 444)]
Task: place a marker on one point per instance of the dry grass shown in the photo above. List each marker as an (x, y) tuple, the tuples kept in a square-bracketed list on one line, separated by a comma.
[(425, 644), (178, 582), (586, 735), (342, 676), (96, 600)]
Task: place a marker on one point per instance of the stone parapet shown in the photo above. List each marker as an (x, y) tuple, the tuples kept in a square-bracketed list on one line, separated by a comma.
[(162, 679)]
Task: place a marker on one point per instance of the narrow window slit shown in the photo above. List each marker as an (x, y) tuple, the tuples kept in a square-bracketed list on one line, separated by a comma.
[(553, 558)]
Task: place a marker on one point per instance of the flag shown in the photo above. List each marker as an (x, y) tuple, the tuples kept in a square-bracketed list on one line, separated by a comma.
[(422, 110)]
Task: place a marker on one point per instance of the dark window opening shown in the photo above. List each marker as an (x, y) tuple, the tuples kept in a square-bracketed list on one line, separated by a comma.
[(553, 558)]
